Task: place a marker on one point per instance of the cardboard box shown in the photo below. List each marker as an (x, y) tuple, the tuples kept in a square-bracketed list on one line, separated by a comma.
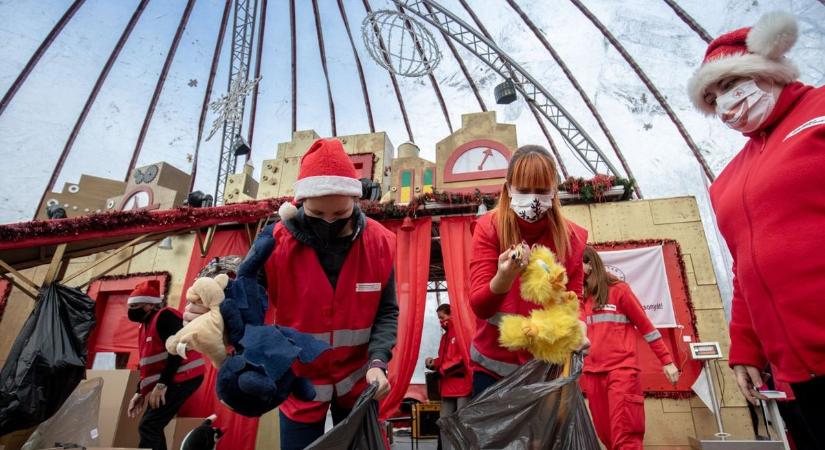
[(178, 428), (115, 426)]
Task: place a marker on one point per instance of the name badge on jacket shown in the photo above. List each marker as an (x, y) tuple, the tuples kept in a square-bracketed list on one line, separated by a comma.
[(607, 307), (367, 287)]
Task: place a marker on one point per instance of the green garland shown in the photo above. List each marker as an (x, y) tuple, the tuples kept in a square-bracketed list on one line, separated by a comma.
[(593, 190), (447, 203)]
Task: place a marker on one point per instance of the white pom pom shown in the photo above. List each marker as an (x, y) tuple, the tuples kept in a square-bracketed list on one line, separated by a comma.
[(287, 211), (773, 35)]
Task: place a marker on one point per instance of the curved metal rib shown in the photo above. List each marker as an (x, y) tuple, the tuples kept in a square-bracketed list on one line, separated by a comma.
[(159, 87), (531, 89), (101, 78), (41, 49), (650, 86)]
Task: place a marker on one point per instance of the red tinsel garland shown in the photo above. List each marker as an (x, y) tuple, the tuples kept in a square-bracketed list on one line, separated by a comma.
[(689, 300), (167, 279), (4, 298)]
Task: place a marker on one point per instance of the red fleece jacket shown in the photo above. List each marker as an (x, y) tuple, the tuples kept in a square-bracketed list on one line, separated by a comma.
[(770, 206)]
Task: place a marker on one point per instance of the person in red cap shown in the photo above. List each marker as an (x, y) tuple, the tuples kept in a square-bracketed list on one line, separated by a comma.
[(165, 379), (329, 273), (770, 207)]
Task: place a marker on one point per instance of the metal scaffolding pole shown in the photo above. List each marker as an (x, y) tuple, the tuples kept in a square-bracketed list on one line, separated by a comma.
[(243, 30)]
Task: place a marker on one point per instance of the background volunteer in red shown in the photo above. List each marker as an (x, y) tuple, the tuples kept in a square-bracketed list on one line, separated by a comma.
[(770, 208), (611, 369), (528, 211), (166, 381), (456, 381)]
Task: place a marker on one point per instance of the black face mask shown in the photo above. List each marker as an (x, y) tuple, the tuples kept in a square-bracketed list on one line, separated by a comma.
[(139, 315), (327, 231)]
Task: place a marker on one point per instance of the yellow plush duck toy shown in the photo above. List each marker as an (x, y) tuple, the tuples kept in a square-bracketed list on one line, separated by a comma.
[(553, 332)]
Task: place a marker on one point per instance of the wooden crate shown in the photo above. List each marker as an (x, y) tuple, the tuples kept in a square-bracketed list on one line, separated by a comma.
[(425, 416)]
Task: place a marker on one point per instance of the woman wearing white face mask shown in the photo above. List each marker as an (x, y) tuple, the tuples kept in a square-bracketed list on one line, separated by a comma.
[(528, 212), (770, 206)]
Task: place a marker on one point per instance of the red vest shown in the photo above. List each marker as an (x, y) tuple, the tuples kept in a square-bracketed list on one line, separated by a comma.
[(342, 317), (486, 353), (153, 357)]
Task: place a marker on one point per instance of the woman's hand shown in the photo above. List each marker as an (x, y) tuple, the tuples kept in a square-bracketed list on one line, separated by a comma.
[(157, 397), (672, 373), (378, 377), (135, 406), (511, 263), (749, 381), (192, 312)]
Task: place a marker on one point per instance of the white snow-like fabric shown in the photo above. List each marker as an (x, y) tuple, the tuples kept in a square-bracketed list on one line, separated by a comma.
[(322, 185), (143, 299)]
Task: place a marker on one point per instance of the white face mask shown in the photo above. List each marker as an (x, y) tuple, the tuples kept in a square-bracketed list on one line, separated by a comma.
[(530, 207), (745, 107)]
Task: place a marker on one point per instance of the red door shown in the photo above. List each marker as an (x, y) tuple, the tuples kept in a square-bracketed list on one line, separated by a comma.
[(115, 335)]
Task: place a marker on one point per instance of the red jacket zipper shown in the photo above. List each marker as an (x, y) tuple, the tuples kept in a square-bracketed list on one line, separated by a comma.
[(763, 136)]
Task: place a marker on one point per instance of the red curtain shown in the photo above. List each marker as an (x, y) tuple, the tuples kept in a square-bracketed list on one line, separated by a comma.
[(456, 249), (241, 431), (412, 270)]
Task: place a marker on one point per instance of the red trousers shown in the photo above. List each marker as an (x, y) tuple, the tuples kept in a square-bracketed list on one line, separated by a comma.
[(617, 406)]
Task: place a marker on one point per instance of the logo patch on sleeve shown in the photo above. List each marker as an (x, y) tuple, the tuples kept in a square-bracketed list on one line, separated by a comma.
[(811, 123)]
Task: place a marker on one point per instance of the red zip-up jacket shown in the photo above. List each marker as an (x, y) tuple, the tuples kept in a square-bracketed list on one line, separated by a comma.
[(486, 353), (770, 207), (456, 377), (612, 327)]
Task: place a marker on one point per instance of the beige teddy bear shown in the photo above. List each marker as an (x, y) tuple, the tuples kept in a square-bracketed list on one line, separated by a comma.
[(205, 333)]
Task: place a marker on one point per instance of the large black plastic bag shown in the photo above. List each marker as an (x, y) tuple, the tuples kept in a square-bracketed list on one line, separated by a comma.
[(359, 431), (48, 358), (533, 408)]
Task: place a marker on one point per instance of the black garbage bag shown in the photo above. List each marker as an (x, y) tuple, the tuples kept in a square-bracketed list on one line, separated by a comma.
[(359, 431), (48, 358), (533, 408)]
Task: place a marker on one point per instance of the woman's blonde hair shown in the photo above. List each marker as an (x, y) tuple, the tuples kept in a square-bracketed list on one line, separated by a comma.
[(531, 167)]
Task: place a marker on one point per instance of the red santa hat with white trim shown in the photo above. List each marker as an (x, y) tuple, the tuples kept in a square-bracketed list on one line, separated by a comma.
[(756, 51), (325, 170), (146, 292)]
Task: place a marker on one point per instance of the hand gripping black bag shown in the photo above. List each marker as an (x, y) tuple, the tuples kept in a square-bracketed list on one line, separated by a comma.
[(359, 431), (533, 408), (48, 358)]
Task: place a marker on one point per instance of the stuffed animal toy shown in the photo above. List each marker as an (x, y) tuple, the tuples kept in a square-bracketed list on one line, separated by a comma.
[(259, 379), (205, 333), (553, 332)]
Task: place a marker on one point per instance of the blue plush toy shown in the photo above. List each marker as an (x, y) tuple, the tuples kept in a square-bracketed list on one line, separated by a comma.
[(258, 377)]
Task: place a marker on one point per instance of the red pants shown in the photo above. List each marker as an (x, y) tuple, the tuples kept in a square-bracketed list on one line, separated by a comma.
[(617, 407)]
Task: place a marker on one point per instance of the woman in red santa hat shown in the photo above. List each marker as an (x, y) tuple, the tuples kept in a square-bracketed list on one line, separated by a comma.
[(770, 205), (329, 273)]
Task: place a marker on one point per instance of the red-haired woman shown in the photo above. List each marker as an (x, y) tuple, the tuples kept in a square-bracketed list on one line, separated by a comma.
[(528, 212), (611, 370)]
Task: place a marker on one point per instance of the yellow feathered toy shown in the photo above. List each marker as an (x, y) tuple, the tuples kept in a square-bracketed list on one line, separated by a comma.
[(553, 332)]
